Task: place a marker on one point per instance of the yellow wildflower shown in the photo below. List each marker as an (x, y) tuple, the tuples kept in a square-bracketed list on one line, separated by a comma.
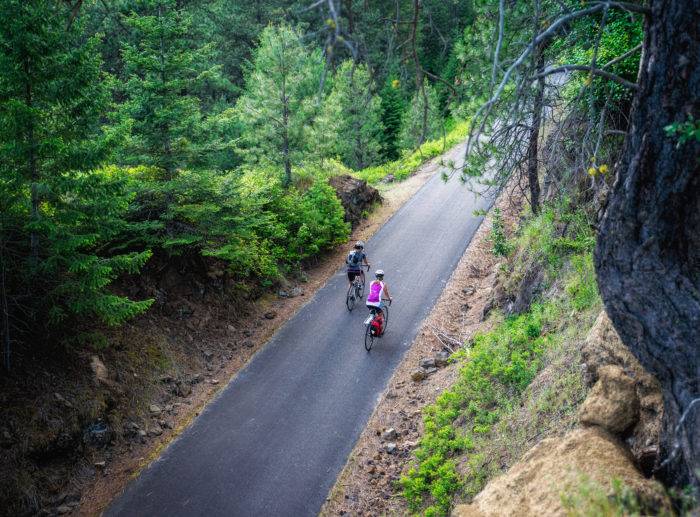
[(603, 169), (591, 171)]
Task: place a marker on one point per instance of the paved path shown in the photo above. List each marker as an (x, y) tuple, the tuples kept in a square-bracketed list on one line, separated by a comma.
[(274, 440)]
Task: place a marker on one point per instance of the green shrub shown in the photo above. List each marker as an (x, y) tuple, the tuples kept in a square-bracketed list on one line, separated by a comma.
[(405, 166), (500, 245)]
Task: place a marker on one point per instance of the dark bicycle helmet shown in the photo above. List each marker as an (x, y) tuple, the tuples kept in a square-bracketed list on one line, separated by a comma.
[(360, 245)]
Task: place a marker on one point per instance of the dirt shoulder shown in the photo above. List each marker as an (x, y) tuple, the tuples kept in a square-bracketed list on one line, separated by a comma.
[(367, 486), (227, 346)]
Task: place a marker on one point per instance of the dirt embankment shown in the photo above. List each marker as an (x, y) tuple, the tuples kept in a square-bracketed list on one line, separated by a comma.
[(617, 442), (78, 425)]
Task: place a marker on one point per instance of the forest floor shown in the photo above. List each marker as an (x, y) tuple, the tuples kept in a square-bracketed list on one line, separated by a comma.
[(261, 320), (367, 486)]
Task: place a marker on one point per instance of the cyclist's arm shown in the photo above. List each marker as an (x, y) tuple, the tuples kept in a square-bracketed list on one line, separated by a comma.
[(386, 292)]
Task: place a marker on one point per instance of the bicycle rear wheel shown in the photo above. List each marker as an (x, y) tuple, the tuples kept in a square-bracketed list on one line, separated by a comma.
[(369, 338), (350, 299)]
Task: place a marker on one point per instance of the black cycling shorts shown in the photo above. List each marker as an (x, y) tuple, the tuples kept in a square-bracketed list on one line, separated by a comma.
[(353, 274)]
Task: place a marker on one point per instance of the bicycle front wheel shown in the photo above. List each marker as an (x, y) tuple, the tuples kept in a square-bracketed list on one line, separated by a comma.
[(385, 309), (369, 338), (350, 299)]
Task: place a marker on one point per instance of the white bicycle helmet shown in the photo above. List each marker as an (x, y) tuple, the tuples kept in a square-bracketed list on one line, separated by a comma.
[(379, 272), (360, 244)]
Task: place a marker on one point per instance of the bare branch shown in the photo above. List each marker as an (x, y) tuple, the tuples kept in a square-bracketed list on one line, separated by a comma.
[(587, 68)]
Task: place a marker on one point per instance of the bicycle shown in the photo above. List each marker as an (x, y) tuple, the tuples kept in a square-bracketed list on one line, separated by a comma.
[(356, 291), (370, 331)]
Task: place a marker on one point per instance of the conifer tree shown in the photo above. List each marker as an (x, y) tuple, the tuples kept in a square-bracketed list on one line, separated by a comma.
[(162, 117), (56, 211), (418, 122), (392, 111), (351, 118), (280, 99)]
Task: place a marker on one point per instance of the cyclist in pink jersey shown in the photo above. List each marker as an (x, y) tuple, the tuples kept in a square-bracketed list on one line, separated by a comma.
[(378, 292)]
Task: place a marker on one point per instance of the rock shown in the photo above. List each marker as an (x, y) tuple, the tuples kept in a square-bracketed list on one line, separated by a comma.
[(390, 448), (156, 430), (197, 378), (427, 362), (418, 375), (355, 195), (469, 290), (534, 485), (168, 408), (389, 178), (603, 347), (100, 464), (154, 409), (208, 355), (296, 291), (63, 509), (282, 293), (389, 434), (431, 370), (142, 435), (441, 358), (99, 370), (270, 315), (183, 389), (214, 381), (612, 403), (248, 343), (247, 333)]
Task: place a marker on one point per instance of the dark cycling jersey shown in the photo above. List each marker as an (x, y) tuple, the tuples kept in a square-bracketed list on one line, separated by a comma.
[(354, 260)]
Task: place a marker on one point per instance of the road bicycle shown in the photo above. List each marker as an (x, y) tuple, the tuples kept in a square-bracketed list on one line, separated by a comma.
[(370, 333), (356, 291)]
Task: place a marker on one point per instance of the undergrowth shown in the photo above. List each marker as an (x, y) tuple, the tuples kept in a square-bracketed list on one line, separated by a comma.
[(411, 160), (498, 366)]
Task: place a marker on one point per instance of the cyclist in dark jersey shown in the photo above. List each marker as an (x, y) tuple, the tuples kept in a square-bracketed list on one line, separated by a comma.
[(354, 261)]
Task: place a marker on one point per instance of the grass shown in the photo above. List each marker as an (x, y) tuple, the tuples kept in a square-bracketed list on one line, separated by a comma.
[(590, 499), (494, 411), (411, 160)]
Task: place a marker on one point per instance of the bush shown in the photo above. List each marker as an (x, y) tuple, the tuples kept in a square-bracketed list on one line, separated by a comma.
[(409, 162)]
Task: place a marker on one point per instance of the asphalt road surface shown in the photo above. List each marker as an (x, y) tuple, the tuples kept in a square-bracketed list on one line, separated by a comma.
[(274, 440)]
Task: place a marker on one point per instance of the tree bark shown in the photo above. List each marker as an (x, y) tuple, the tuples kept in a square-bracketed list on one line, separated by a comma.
[(648, 252), (532, 150)]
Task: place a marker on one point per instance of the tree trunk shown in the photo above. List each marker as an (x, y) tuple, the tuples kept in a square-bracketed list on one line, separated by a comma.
[(648, 252), (532, 150)]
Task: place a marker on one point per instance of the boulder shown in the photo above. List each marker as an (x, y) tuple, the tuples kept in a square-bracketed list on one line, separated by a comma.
[(355, 195), (534, 486), (613, 402), (418, 375), (441, 358), (604, 347)]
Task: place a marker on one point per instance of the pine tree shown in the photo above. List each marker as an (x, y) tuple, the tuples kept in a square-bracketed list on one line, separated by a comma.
[(392, 112), (418, 124), (55, 211), (350, 120), (162, 117), (280, 99)]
